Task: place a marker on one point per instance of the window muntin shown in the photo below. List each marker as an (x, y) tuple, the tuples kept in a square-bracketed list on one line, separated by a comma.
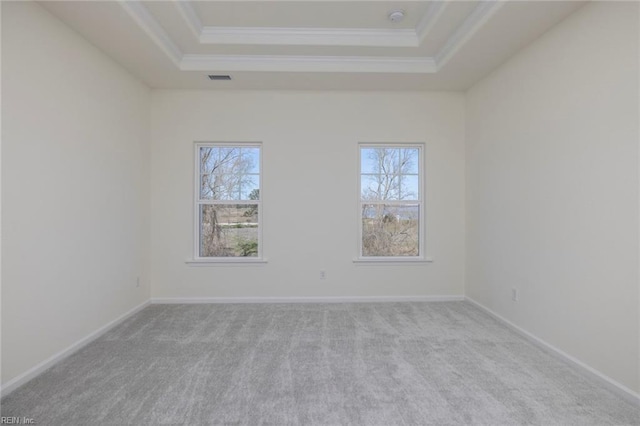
[(228, 201), (391, 210)]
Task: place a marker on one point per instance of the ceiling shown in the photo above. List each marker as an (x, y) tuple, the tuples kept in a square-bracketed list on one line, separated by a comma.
[(341, 45)]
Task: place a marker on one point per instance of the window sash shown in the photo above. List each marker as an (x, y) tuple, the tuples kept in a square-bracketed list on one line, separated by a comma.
[(199, 201), (418, 202)]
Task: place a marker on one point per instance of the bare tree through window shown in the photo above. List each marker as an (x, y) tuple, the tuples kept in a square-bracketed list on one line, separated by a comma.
[(390, 201), (228, 200)]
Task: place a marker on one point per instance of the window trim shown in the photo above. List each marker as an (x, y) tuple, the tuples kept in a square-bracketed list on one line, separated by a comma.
[(196, 259), (421, 258)]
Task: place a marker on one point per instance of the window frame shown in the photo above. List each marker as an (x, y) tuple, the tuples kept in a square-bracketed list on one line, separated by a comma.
[(421, 257), (198, 202)]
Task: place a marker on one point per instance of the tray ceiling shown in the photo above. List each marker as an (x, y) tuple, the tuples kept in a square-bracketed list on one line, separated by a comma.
[(311, 44)]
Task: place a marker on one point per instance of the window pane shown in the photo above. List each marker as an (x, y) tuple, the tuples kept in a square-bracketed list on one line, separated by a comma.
[(220, 187), (379, 160), (390, 230), (252, 157), (409, 187), (206, 191), (250, 188), (224, 171), (409, 160), (379, 187), (228, 230), (368, 160)]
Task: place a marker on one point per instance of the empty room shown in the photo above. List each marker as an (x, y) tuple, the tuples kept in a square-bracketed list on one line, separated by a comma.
[(320, 213)]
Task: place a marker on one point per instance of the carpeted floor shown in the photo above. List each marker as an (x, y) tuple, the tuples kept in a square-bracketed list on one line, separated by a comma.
[(442, 363)]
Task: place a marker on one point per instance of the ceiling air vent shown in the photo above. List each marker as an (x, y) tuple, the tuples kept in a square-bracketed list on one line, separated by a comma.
[(219, 77)]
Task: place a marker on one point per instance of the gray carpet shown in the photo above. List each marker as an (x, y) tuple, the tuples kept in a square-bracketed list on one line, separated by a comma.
[(442, 363)]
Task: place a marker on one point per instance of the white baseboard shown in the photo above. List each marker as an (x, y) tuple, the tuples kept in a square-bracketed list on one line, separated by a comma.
[(23, 378), (319, 299), (618, 388)]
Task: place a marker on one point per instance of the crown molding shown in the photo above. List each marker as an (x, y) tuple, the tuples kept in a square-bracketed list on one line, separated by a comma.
[(190, 16), (309, 36), (312, 36), (302, 36), (154, 30), (428, 21), (478, 17), (347, 64)]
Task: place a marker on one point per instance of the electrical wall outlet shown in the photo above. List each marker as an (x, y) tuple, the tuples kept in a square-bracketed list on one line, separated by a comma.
[(323, 275), (137, 282), (514, 295)]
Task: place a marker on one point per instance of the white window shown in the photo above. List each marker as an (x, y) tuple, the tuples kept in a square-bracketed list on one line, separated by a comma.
[(228, 207), (391, 207)]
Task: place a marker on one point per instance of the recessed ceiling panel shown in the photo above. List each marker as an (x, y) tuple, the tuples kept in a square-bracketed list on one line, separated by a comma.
[(167, 15), (308, 14), (441, 21)]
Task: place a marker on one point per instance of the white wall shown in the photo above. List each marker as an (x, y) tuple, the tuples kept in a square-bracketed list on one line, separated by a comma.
[(74, 188), (552, 189), (309, 190)]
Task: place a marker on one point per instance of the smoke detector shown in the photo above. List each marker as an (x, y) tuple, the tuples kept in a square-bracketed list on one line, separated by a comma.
[(396, 15)]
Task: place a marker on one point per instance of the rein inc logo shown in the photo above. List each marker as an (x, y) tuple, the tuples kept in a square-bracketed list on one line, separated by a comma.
[(16, 421)]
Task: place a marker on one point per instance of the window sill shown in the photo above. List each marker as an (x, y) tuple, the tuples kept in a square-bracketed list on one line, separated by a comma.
[(226, 262), (391, 260)]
